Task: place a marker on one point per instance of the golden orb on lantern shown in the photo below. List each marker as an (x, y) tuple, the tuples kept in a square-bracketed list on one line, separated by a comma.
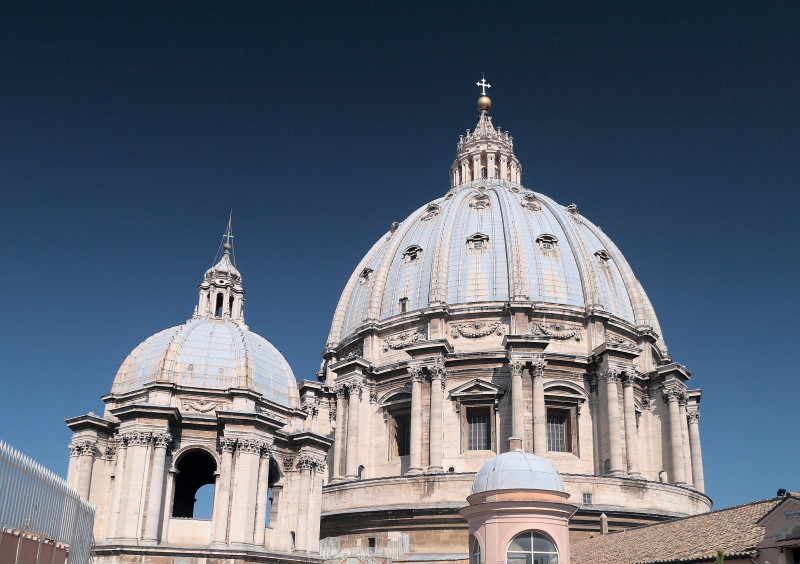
[(484, 103)]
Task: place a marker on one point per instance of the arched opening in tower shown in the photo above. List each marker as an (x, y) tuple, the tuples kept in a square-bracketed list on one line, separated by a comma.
[(194, 486), (218, 306)]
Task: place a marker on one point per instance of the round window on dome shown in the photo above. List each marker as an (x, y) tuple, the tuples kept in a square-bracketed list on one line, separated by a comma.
[(547, 242)]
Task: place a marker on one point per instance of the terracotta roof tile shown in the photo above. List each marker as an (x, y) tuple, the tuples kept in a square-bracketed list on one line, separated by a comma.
[(694, 538)]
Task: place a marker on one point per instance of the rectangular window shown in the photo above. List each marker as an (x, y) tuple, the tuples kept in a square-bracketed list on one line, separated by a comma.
[(587, 499), (479, 428), (402, 435), (558, 431)]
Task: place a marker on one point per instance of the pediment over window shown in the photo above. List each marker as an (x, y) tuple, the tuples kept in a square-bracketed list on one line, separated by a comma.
[(477, 389)]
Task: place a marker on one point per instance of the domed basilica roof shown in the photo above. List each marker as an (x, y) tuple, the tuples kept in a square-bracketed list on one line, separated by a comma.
[(516, 470), (213, 350), (490, 239)]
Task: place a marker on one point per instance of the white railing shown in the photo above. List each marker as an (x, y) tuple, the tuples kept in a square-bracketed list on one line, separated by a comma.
[(36, 500), (330, 551)]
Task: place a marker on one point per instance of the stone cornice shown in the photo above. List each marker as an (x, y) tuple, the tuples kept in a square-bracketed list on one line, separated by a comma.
[(90, 421), (425, 349), (263, 420), (147, 411), (311, 439)]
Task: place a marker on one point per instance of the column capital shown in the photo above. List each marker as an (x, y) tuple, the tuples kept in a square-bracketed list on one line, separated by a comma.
[(415, 371), (538, 364), (309, 406), (162, 440), (266, 449), (249, 446), (610, 376), (310, 461), (355, 387), (227, 445), (437, 371), (673, 393), (516, 366), (693, 417), (138, 438), (341, 391), (628, 378)]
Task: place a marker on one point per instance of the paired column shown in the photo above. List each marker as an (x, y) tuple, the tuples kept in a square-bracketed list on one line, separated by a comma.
[(415, 448), (697, 451), (476, 167), (438, 379), (338, 444), (260, 529), (671, 396), (154, 501), (310, 465), (355, 390), (631, 433), (223, 493), (614, 429), (539, 410), (517, 416)]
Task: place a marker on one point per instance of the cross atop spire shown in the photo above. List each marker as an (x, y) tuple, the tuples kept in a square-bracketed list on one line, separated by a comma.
[(228, 234), (483, 84)]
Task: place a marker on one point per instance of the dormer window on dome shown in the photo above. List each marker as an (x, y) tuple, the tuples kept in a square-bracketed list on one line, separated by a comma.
[(365, 274), (478, 241), (603, 255), (480, 202), (412, 253), (547, 242)]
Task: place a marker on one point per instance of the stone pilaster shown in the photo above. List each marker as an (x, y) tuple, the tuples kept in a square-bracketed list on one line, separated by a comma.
[(687, 454), (222, 498), (259, 533), (116, 490), (134, 484)]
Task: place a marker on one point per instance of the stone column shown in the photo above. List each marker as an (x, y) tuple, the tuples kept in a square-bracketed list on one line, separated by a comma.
[(245, 488), (614, 428), (539, 409), (697, 451), (504, 167), (116, 492), (223, 493), (339, 438), (155, 500), (490, 166), (315, 505), (305, 465), (517, 417), (438, 376), (355, 390), (74, 466), (136, 460), (476, 167), (259, 534), (676, 444), (631, 433), (687, 455), (415, 448), (86, 465)]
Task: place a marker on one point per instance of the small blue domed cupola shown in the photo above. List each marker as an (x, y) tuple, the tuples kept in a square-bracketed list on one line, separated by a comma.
[(517, 470)]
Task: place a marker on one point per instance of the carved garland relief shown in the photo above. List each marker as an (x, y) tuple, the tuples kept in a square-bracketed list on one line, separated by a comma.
[(476, 329)]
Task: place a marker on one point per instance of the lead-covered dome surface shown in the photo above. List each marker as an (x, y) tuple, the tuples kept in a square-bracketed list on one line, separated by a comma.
[(491, 240), (517, 470), (210, 353)]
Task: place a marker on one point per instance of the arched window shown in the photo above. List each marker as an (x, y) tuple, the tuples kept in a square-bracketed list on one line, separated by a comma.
[(195, 470), (475, 552), (532, 547), (218, 306)]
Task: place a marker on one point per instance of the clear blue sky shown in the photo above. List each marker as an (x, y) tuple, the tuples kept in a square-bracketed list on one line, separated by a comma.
[(130, 129)]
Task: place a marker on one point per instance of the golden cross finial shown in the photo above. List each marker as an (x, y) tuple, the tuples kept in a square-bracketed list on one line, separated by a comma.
[(483, 84)]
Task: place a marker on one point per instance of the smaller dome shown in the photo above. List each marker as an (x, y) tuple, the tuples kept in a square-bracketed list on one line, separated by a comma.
[(517, 470)]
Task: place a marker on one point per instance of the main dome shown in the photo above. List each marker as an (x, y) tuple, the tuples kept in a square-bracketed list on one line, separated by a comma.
[(492, 240)]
